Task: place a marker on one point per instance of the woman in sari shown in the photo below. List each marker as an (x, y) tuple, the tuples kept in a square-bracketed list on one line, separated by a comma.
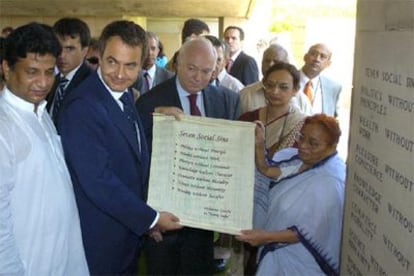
[(299, 229), (281, 118)]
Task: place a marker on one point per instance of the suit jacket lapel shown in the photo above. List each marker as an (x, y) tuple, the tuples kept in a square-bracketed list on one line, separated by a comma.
[(210, 101), (79, 76), (121, 121), (324, 99)]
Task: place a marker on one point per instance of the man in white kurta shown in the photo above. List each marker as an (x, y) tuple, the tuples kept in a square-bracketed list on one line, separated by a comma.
[(39, 223)]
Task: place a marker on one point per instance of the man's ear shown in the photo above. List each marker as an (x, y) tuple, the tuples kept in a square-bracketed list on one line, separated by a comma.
[(6, 69)]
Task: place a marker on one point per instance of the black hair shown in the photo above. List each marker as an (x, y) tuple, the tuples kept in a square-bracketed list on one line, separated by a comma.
[(215, 41), (129, 32), (193, 26), (161, 47), (70, 26), (241, 32), (288, 67), (30, 38)]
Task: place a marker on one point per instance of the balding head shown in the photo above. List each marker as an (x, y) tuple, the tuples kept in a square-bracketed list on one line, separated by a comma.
[(316, 60), (195, 64), (273, 54)]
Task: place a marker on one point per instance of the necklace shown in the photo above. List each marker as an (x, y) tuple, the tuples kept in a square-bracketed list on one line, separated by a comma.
[(277, 144)]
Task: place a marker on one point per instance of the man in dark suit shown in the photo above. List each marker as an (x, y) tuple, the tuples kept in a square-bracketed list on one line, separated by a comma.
[(193, 27), (107, 156), (151, 75), (188, 251), (240, 65), (74, 36)]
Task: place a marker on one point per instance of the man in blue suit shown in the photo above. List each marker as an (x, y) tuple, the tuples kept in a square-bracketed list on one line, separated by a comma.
[(107, 156), (74, 37), (188, 251)]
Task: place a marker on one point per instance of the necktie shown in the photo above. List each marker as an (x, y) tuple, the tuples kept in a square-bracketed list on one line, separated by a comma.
[(146, 85), (59, 96), (193, 105), (229, 65), (217, 82), (308, 91), (129, 111)]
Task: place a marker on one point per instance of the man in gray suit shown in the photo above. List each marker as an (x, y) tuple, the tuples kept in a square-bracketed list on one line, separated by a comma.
[(322, 93), (151, 75), (188, 251)]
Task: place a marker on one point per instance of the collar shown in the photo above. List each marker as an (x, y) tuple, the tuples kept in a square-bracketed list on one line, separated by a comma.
[(304, 79), (151, 71), (221, 75), (236, 55), (115, 94), (22, 104), (69, 76)]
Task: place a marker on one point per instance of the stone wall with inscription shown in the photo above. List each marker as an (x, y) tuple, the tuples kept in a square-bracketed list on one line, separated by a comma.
[(378, 233)]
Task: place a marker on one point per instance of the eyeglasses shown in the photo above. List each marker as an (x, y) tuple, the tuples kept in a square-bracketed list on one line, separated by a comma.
[(270, 86), (313, 143), (93, 60)]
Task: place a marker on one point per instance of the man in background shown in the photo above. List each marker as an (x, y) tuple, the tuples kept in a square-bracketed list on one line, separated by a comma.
[(74, 36), (40, 232), (252, 96), (318, 91), (220, 76), (93, 55), (152, 74), (192, 28), (240, 65)]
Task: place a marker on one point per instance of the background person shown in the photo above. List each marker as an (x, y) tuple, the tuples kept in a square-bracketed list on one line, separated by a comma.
[(240, 65), (152, 74), (318, 91), (93, 55), (193, 27), (252, 96), (162, 58), (220, 76), (73, 35)]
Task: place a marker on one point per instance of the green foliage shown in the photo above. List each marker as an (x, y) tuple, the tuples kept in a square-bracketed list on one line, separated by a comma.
[(278, 26), (286, 14)]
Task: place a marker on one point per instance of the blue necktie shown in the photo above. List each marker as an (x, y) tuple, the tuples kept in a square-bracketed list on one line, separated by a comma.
[(131, 114), (59, 96)]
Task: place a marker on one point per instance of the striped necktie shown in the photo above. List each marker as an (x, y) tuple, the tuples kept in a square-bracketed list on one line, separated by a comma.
[(131, 114), (59, 97), (146, 85)]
